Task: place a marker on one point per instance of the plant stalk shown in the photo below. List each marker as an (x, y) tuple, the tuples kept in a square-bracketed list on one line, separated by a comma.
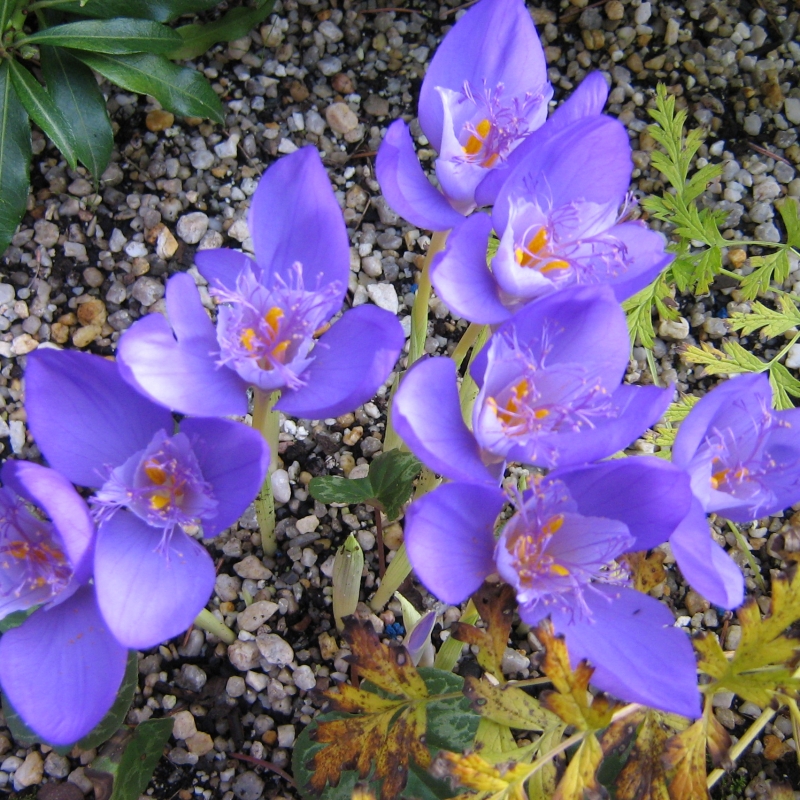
[(267, 421), (206, 621), (419, 311)]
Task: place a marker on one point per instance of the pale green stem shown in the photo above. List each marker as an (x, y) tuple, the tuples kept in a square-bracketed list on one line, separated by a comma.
[(448, 654), (468, 339), (391, 439), (749, 736), (267, 420), (742, 542), (469, 389), (419, 311), (206, 621)]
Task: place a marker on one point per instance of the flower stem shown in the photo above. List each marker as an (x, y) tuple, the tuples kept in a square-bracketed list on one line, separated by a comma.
[(743, 546), (267, 420), (448, 654), (419, 312), (206, 621), (469, 389), (468, 339)]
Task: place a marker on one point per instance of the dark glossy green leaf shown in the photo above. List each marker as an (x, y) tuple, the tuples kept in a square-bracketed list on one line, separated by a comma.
[(115, 717), (334, 489), (43, 110), (7, 9), (15, 619), (15, 158), (74, 90), (141, 757), (452, 724), (158, 10), (179, 89), (20, 732), (238, 22), (115, 36), (392, 477)]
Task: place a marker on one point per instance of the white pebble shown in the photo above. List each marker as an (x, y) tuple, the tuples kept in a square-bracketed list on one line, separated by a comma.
[(281, 489), (384, 295)]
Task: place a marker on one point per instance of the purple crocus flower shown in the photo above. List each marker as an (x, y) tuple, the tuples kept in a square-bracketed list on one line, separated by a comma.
[(46, 544), (485, 91), (744, 463), (273, 309), (559, 218), (152, 483), (558, 551), (550, 393)]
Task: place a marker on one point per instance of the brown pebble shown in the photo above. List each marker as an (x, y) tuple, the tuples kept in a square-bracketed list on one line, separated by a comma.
[(298, 91), (737, 257), (615, 10), (635, 63), (159, 120), (92, 312), (86, 335), (343, 83), (593, 39), (59, 333), (269, 737)]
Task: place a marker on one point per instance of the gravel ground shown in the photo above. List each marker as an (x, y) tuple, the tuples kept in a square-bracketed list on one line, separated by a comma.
[(86, 263)]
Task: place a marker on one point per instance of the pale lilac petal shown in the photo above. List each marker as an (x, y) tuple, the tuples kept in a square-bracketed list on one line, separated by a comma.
[(633, 410), (351, 361), (221, 267), (586, 101), (650, 495), (588, 161), (637, 654), (67, 510), (645, 254), (753, 391), (705, 565), (462, 277), (441, 441), (449, 538), (294, 218), (495, 42), (84, 416), (405, 186), (183, 377), (234, 459), (149, 588), (62, 668)]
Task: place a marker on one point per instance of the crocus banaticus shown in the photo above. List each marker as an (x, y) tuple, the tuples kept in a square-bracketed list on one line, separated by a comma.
[(273, 309), (559, 218), (485, 91), (558, 551), (550, 393), (152, 484), (744, 463), (46, 560)]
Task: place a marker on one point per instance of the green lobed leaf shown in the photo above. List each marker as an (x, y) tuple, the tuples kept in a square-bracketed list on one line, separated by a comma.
[(771, 322), (74, 90), (15, 157), (335, 489), (158, 10), (774, 267), (784, 386), (141, 757), (115, 36), (179, 89), (43, 111), (198, 38), (392, 476), (789, 210)]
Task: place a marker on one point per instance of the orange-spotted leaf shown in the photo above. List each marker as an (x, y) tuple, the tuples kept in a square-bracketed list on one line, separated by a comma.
[(571, 701), (580, 779), (507, 705), (717, 738), (473, 772), (495, 604), (643, 777), (685, 761), (647, 571)]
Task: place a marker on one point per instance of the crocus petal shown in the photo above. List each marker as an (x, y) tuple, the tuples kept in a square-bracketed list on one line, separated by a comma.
[(351, 361), (294, 218), (56, 496), (633, 409), (752, 390), (637, 654), (587, 161), (84, 668), (705, 565), (586, 101), (495, 42), (650, 495), (419, 639), (462, 278), (450, 540), (406, 188), (84, 415), (181, 373), (441, 440), (150, 587), (221, 267), (645, 255), (234, 459)]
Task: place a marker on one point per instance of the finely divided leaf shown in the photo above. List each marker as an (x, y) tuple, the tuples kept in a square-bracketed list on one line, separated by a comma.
[(580, 779), (198, 38), (15, 157), (643, 776), (43, 111), (771, 322), (789, 210), (116, 36), (181, 90), (784, 386), (735, 359), (685, 759), (75, 92)]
